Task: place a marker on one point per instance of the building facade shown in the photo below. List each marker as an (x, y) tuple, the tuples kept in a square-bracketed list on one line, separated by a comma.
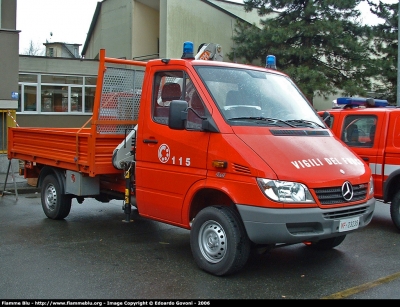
[(157, 28), (60, 85), (57, 90), (9, 61)]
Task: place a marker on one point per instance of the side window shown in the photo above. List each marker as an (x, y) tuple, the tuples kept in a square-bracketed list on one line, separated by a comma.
[(196, 110), (328, 120), (359, 130), (167, 87)]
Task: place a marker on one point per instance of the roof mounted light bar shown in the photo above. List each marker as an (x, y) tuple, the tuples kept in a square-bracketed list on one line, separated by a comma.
[(358, 101)]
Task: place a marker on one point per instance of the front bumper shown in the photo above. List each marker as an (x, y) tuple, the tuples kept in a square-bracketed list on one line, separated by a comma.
[(290, 226)]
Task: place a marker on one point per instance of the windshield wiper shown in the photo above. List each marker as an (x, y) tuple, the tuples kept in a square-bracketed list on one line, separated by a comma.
[(265, 119), (299, 122)]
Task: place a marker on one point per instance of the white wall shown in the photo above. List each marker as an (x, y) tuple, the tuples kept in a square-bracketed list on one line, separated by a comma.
[(113, 30), (129, 28), (145, 30), (199, 22)]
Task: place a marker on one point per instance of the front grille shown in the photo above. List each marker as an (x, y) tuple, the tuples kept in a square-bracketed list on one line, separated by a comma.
[(333, 195), (346, 213)]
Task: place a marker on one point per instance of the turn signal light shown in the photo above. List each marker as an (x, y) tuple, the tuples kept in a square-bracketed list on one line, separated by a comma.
[(219, 164)]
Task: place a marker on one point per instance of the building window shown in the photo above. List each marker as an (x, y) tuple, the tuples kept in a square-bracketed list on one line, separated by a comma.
[(56, 93), (51, 52), (60, 79), (76, 99), (89, 98), (30, 98), (54, 98)]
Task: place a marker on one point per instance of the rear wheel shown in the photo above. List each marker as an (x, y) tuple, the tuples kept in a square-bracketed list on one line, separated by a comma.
[(219, 241), (326, 244), (395, 210), (55, 205)]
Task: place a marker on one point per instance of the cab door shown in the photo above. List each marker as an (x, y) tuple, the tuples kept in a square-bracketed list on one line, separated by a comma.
[(391, 159), (362, 131), (168, 162)]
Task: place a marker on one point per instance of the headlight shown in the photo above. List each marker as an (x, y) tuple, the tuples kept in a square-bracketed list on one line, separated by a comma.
[(371, 186), (285, 191)]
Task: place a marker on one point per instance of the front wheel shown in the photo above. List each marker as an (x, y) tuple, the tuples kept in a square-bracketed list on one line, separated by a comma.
[(55, 205), (395, 210), (219, 241)]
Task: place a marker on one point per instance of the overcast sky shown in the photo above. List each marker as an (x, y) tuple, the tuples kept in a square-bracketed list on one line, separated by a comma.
[(66, 21)]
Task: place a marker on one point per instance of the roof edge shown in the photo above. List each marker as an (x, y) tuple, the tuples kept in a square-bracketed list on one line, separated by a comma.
[(226, 11), (91, 28)]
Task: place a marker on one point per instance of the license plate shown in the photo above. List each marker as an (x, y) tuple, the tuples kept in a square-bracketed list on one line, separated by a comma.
[(349, 224)]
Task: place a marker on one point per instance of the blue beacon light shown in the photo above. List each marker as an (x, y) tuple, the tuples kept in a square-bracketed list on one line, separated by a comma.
[(270, 62), (187, 50), (358, 101)]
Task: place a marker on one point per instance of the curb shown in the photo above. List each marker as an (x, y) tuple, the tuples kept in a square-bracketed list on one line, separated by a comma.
[(21, 184), (14, 180), (20, 190)]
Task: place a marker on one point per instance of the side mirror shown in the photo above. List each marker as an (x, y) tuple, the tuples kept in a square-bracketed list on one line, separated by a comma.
[(177, 114), (326, 117)]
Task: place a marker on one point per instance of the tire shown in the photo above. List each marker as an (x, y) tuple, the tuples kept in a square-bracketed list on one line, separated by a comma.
[(327, 244), (55, 205), (395, 210), (219, 241)]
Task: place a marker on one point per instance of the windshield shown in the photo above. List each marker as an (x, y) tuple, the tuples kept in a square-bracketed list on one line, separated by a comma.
[(247, 95)]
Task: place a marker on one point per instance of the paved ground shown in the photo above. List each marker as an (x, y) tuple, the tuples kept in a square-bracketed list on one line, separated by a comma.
[(93, 254)]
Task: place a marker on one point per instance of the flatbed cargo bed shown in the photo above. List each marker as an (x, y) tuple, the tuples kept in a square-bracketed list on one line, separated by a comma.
[(68, 148)]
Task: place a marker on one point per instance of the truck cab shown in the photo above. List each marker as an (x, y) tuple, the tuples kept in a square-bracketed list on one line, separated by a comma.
[(371, 128), (253, 152)]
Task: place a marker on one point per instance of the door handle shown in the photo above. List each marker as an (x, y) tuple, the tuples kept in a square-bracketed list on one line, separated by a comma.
[(147, 141), (365, 158)]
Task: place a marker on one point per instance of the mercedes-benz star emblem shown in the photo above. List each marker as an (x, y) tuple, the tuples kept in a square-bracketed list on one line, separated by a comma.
[(347, 191)]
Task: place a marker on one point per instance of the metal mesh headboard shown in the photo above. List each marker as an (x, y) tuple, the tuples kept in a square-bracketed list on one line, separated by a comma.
[(120, 99)]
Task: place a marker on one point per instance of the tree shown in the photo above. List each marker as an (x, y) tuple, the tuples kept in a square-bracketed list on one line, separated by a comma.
[(385, 48), (321, 44), (33, 50)]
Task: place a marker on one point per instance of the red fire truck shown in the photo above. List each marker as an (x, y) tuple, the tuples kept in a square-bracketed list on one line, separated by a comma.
[(234, 153), (371, 128)]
